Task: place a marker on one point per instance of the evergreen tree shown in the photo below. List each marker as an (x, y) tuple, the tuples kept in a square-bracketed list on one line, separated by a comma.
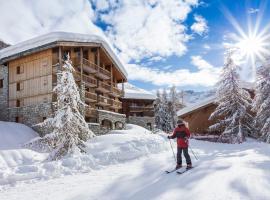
[(165, 116), (262, 102), (69, 129), (174, 105), (157, 110), (234, 103)]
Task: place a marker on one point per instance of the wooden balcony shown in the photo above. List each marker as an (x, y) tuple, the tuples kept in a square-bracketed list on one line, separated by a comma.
[(89, 67), (115, 92), (104, 101), (90, 112), (103, 74), (89, 81), (116, 104), (103, 87), (141, 108), (90, 97)]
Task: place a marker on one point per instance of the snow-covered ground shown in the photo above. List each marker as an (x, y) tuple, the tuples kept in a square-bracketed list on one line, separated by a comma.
[(131, 164)]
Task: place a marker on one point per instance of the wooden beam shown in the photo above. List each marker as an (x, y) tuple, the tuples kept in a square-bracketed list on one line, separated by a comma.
[(81, 61), (111, 78), (60, 57)]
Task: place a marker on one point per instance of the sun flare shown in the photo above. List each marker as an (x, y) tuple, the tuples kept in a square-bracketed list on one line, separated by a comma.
[(252, 46)]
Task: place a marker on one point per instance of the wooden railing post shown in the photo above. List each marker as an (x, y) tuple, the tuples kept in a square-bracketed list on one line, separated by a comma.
[(81, 61)]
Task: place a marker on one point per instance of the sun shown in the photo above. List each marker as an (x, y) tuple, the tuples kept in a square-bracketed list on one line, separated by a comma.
[(253, 42), (253, 46)]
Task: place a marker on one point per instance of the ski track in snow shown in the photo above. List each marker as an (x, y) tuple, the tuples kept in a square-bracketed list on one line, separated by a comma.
[(224, 172)]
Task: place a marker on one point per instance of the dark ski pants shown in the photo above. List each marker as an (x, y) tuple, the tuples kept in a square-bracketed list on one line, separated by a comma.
[(179, 156)]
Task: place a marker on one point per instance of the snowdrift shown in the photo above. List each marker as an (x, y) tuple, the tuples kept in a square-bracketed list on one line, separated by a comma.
[(13, 135), (119, 146)]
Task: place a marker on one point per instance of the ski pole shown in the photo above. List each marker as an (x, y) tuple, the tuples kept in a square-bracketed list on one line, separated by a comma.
[(172, 151), (193, 153)]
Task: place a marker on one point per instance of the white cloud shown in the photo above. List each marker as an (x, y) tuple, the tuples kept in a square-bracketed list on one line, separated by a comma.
[(144, 29), (199, 62), (206, 75), (139, 29), (200, 25), (24, 19)]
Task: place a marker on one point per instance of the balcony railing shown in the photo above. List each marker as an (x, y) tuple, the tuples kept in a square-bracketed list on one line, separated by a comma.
[(104, 101), (116, 104), (103, 73), (141, 108), (90, 97), (89, 67), (89, 81), (103, 87)]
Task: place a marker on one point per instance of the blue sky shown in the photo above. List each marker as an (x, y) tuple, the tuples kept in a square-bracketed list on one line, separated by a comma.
[(208, 45), (160, 42)]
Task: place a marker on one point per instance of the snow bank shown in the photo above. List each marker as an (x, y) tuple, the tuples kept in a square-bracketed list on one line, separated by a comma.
[(117, 147), (13, 135)]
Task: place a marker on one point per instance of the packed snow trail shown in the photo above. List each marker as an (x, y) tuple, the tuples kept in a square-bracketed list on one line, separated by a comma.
[(223, 172)]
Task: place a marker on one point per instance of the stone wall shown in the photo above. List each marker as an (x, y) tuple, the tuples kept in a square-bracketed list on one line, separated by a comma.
[(142, 121), (32, 115), (4, 93), (113, 118)]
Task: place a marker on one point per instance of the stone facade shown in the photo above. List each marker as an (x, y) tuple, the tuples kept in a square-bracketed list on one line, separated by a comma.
[(32, 115), (4, 93), (146, 122), (114, 120)]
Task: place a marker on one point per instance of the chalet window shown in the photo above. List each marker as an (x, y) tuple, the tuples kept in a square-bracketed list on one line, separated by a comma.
[(19, 69), (85, 54), (45, 82), (44, 118), (76, 50), (18, 103), (1, 83), (19, 86)]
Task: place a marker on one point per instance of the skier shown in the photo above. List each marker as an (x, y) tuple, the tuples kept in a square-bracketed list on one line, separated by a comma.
[(182, 133)]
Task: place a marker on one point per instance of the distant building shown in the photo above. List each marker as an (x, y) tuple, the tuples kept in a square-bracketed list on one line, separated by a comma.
[(138, 106), (28, 73), (197, 115)]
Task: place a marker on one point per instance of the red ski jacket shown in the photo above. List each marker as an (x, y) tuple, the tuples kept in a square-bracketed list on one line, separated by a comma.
[(182, 134)]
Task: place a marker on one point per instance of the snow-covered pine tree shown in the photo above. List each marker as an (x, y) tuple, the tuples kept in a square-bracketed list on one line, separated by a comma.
[(261, 104), (69, 129), (157, 109), (174, 104), (165, 116), (234, 120)]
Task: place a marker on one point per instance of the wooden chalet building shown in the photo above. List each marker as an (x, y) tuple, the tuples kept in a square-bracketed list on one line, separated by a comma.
[(197, 115), (138, 106), (28, 74)]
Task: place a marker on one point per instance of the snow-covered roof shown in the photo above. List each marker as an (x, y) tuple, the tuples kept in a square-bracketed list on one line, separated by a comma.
[(133, 92), (210, 100), (60, 37), (196, 106)]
